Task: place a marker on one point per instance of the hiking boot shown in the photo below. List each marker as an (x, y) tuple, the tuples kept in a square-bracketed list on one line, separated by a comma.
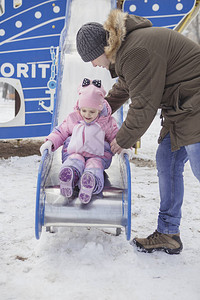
[(170, 243), (87, 187), (68, 179)]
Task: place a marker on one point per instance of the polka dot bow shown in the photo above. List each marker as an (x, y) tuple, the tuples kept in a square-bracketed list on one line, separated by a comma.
[(95, 82)]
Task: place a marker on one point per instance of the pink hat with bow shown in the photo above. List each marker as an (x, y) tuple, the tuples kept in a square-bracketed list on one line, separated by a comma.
[(91, 94)]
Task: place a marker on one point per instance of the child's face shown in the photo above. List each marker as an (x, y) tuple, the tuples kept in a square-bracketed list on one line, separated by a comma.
[(89, 114)]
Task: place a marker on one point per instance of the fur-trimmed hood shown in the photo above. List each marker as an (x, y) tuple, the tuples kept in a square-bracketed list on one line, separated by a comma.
[(118, 25)]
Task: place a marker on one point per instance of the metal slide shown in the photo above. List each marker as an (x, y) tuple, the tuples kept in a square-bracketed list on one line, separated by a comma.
[(111, 208)]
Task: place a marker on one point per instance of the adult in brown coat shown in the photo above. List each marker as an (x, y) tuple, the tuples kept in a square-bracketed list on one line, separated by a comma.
[(156, 68)]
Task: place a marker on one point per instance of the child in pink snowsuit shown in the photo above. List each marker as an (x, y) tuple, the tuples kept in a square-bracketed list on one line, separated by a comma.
[(86, 135)]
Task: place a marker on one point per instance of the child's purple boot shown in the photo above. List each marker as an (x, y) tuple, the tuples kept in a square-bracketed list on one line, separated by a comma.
[(68, 178), (87, 187)]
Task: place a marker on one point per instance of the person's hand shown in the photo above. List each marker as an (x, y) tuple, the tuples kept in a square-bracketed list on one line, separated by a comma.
[(46, 146), (115, 148)]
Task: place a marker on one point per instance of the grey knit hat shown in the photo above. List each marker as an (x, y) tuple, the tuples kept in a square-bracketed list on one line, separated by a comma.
[(90, 41)]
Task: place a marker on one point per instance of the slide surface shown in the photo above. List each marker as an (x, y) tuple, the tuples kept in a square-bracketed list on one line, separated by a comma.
[(111, 208)]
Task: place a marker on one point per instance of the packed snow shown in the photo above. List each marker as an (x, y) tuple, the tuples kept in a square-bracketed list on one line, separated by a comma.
[(7, 107)]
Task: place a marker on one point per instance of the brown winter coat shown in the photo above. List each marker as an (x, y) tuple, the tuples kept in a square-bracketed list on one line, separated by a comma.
[(157, 68)]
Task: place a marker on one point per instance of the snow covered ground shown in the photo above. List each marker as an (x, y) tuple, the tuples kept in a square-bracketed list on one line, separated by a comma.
[(7, 109), (7, 106), (83, 263)]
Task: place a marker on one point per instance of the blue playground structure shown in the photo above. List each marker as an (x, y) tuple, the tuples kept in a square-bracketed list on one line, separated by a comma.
[(162, 13), (29, 39)]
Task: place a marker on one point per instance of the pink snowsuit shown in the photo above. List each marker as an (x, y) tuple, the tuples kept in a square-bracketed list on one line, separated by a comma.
[(86, 146)]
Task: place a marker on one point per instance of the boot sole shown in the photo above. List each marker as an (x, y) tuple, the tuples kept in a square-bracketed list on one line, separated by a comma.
[(140, 248), (87, 187), (66, 180)]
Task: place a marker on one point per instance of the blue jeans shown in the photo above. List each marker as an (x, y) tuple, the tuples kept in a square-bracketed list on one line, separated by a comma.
[(170, 166)]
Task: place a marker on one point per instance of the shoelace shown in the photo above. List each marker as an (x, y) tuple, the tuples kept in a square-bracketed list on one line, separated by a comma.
[(154, 235)]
